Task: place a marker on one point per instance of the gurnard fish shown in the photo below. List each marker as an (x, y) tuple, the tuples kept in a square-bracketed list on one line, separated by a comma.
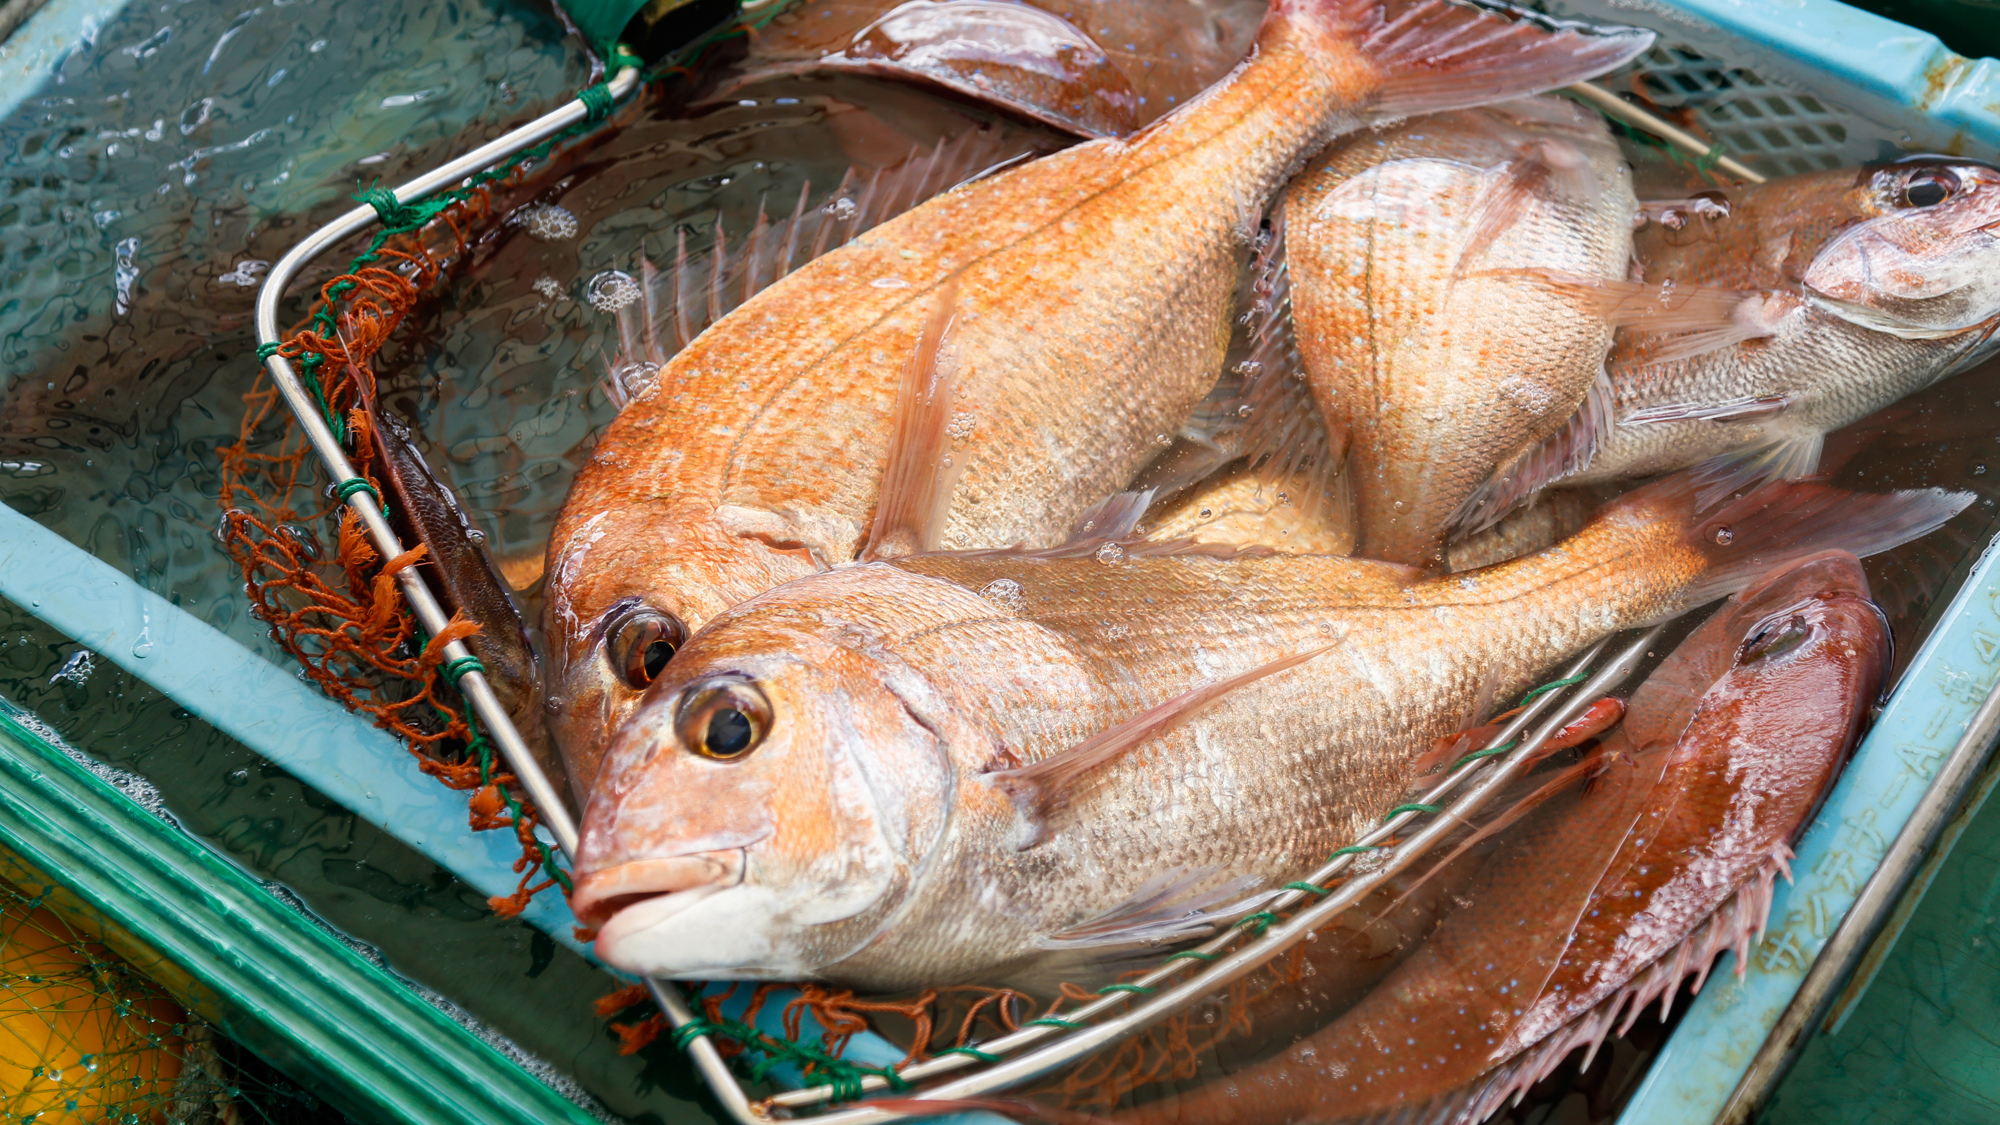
[(939, 768), (1060, 317), (1604, 900), (1833, 294), (1420, 259)]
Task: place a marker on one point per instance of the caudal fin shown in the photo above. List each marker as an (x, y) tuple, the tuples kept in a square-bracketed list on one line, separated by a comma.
[(1442, 54), (1786, 521)]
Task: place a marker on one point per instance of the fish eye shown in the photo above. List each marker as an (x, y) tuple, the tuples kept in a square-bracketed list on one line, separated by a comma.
[(1774, 636), (723, 719), (641, 644), (1929, 187)]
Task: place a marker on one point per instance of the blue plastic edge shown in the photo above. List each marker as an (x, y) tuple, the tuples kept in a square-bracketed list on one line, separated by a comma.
[(267, 708), (1949, 678), (1886, 70), (39, 47)]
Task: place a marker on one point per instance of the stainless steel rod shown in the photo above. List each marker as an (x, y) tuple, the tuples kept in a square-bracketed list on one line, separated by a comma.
[(1014, 1041), (1280, 937), (549, 804), (1864, 920)]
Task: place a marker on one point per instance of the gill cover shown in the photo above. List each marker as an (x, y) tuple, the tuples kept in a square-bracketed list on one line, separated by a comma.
[(1928, 264)]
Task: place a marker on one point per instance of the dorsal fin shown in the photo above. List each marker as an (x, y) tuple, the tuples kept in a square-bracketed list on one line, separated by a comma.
[(1044, 788), (917, 483), (705, 285)]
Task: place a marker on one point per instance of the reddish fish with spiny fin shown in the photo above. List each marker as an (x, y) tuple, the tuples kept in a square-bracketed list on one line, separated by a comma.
[(1095, 288), (1602, 901)]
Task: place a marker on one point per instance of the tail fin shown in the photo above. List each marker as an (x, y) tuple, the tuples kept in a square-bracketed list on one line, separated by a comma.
[(1784, 522), (1441, 54)]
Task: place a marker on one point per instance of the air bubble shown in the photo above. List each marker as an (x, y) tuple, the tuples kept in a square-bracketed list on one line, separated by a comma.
[(612, 290), (547, 223), (1004, 592), (1724, 536), (1111, 554)]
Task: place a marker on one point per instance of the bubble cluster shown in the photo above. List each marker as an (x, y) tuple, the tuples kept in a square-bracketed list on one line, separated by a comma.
[(612, 290), (1004, 592), (547, 223)]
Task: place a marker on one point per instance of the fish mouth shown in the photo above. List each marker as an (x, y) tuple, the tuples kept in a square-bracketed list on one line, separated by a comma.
[(600, 895)]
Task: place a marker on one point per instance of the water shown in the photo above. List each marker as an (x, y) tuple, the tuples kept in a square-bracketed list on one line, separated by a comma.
[(187, 145)]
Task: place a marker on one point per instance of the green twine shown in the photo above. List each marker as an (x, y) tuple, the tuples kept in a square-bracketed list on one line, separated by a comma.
[(1412, 808), (1309, 888), (971, 1053), (1354, 849), (843, 1076), (455, 670), (692, 1030), (1261, 920), (1197, 955), (1478, 754), (346, 489), (1549, 687), (266, 351), (1058, 1021), (478, 745), (1135, 989)]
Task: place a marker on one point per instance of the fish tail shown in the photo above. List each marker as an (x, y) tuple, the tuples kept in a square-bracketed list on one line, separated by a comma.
[(1784, 522), (1434, 55)]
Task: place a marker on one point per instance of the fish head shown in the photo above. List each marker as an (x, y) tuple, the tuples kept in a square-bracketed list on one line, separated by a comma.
[(1818, 609), (766, 809), (626, 589), (1923, 259)]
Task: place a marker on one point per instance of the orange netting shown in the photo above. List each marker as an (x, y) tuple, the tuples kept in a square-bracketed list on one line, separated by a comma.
[(342, 617)]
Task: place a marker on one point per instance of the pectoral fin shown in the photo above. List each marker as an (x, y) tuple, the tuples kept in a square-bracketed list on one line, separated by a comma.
[(1568, 450), (1747, 468)]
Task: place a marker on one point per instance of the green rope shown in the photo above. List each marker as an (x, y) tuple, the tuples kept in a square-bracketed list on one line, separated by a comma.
[(1309, 888), (844, 1076), (479, 745), (346, 489), (1354, 849), (1399, 809), (1197, 955), (1059, 1022), (692, 1030), (1135, 989), (266, 351), (455, 670), (971, 1053)]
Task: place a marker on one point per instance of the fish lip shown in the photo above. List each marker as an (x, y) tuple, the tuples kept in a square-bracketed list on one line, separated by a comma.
[(602, 895)]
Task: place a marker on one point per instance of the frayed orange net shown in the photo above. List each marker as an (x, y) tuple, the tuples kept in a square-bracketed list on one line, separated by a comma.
[(342, 617)]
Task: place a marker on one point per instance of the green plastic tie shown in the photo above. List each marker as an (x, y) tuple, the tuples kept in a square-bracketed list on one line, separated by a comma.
[(1549, 687), (1197, 955), (347, 488), (1135, 989), (1058, 1021), (455, 670), (1399, 809), (972, 1053), (1309, 888), (1261, 920), (1355, 849)]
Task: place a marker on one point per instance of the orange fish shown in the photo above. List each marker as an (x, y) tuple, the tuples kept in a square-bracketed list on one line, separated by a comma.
[(1066, 315)]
